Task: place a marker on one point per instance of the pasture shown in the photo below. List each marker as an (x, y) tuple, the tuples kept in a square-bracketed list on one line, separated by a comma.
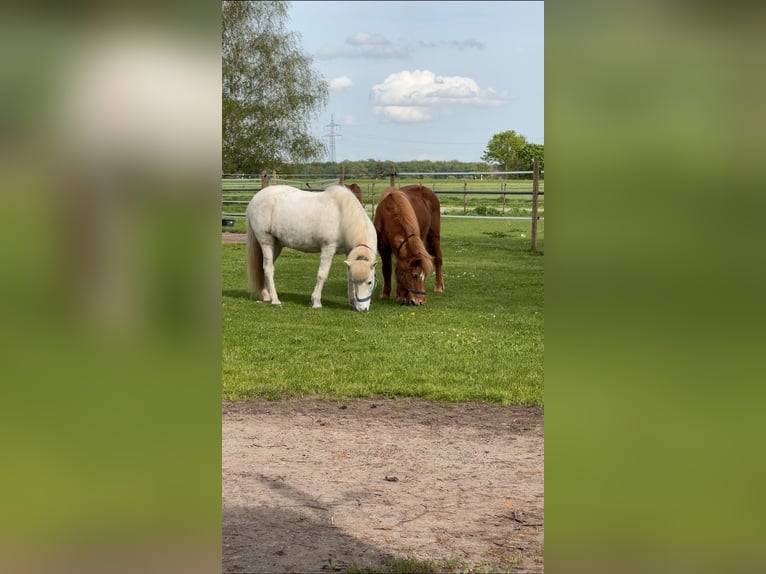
[(482, 339)]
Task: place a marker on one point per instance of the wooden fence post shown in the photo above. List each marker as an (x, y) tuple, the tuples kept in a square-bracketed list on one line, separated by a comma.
[(535, 192), (342, 177), (392, 180), (264, 178)]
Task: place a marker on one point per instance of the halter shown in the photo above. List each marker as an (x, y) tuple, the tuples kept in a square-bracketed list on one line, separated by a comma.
[(372, 292), (374, 277), (407, 289), (364, 245), (398, 249), (415, 291)]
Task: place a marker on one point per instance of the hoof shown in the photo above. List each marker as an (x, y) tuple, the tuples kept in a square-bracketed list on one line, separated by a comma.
[(276, 302)]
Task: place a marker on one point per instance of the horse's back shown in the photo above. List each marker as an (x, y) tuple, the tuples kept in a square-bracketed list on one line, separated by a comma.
[(424, 195), (426, 206), (394, 214), (302, 220), (385, 210)]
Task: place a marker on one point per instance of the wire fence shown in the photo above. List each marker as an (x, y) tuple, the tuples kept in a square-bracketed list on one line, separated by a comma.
[(483, 195)]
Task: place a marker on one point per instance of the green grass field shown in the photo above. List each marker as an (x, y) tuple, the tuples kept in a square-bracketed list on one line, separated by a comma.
[(480, 340)]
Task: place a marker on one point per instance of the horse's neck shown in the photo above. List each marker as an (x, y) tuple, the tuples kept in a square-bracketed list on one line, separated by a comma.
[(360, 234)]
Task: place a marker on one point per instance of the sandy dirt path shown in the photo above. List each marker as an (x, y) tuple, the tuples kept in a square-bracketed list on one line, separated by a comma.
[(316, 486)]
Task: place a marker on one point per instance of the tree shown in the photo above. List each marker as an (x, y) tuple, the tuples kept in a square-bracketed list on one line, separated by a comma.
[(503, 150), (530, 151), (270, 91)]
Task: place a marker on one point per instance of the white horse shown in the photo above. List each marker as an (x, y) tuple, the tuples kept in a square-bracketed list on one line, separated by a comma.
[(331, 221)]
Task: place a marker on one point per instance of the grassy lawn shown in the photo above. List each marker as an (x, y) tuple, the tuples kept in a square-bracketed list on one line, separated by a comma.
[(480, 340)]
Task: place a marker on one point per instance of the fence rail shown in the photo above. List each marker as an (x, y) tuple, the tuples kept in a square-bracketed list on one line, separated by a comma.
[(230, 192), (465, 195)]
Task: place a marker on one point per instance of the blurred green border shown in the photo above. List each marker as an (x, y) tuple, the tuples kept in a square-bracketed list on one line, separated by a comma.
[(653, 282)]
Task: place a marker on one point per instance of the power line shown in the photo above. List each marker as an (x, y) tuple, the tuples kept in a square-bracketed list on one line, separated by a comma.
[(332, 135), (400, 140)]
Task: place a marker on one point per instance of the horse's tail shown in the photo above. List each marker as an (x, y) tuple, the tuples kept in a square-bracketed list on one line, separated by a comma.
[(254, 262)]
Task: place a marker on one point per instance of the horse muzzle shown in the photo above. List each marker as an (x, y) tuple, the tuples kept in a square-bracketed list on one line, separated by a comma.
[(413, 297)]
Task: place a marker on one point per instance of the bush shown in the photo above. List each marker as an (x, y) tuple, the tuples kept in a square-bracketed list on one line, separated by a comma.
[(486, 210)]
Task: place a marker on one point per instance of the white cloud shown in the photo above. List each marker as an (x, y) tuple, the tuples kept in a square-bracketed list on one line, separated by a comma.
[(424, 88), (363, 39), (341, 83), (403, 114), (364, 45)]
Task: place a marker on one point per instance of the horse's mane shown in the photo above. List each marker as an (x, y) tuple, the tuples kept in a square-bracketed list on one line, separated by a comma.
[(356, 224), (404, 215)]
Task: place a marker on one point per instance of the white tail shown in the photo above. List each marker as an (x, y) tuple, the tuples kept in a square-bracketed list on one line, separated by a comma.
[(254, 262)]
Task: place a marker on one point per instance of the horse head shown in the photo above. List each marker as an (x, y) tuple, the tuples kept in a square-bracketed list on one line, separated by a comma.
[(411, 280), (361, 281), (412, 267)]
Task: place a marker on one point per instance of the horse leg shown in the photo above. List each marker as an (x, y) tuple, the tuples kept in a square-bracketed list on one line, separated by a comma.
[(436, 251), (270, 253), (385, 256), (350, 285), (325, 261)]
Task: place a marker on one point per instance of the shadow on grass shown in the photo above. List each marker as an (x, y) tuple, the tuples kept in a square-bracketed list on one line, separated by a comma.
[(300, 299)]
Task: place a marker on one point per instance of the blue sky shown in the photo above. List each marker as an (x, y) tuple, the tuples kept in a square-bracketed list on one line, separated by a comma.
[(425, 80)]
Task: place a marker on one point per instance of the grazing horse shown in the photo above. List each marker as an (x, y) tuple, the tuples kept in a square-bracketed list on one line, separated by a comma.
[(357, 191), (330, 221), (428, 211), (398, 232)]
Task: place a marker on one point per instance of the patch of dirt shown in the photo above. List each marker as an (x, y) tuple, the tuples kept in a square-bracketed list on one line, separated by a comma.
[(227, 237), (314, 485)]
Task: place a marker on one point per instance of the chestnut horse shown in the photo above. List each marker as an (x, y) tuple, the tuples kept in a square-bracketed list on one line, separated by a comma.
[(357, 191), (428, 211), (398, 232)]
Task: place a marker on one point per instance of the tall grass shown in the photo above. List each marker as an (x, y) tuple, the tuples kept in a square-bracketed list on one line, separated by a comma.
[(480, 340)]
